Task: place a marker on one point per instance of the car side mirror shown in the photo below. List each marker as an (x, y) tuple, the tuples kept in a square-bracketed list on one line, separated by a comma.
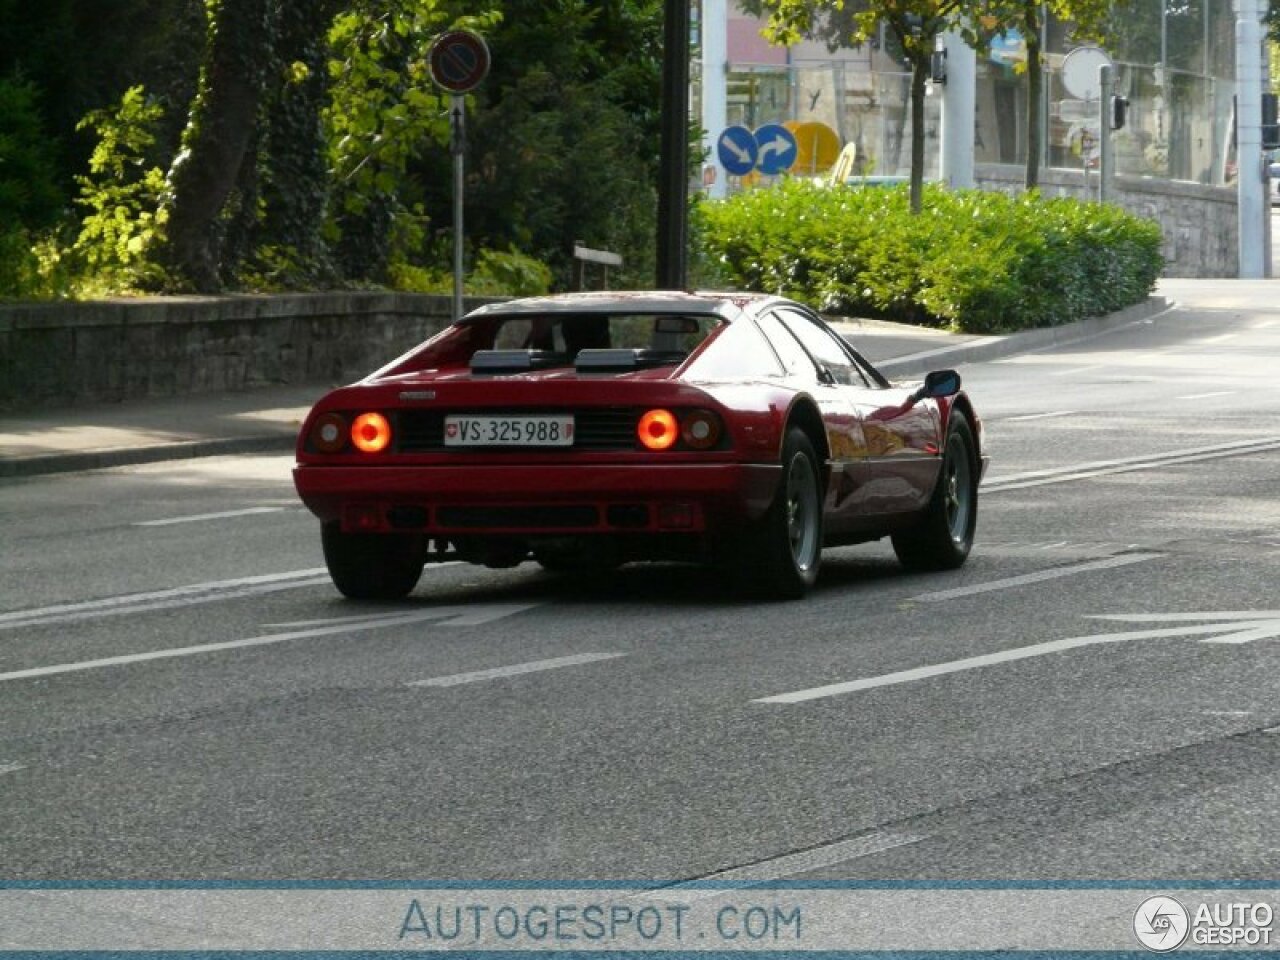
[(939, 384)]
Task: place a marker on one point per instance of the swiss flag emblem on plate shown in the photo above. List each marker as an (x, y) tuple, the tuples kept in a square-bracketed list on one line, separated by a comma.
[(451, 430)]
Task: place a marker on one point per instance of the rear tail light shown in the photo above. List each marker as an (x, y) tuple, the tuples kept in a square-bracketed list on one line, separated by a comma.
[(329, 433), (700, 429), (371, 433), (658, 430)]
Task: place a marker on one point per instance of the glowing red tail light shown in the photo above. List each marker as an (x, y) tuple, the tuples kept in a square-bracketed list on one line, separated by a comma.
[(658, 430), (371, 433)]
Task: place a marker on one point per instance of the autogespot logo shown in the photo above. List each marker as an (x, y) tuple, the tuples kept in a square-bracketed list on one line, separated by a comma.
[(1161, 924)]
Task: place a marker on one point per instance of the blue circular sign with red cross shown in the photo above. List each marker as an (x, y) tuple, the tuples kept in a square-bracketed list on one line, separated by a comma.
[(458, 60)]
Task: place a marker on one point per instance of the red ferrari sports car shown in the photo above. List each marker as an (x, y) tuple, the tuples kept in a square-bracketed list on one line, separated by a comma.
[(586, 430)]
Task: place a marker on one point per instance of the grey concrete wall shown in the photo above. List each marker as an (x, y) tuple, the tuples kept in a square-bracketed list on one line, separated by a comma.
[(108, 351), (1199, 223)]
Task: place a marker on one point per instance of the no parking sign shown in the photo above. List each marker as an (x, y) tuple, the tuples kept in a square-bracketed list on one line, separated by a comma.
[(458, 61)]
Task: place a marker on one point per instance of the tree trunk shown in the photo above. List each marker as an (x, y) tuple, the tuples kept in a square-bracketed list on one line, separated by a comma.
[(1035, 98), (295, 193), (219, 130), (919, 77)]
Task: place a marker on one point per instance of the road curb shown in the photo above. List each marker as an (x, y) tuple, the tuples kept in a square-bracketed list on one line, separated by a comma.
[(130, 456), (1026, 341)]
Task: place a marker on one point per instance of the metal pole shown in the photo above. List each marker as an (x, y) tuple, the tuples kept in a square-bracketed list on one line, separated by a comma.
[(959, 102), (1249, 177), (457, 146), (673, 168), (1106, 152), (715, 64)]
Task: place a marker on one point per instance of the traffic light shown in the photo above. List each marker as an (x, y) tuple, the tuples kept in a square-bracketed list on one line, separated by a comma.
[(1119, 111), (938, 66), (1270, 128)]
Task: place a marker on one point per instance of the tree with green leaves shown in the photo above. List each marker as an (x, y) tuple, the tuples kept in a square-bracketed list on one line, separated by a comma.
[(1089, 19), (219, 135), (564, 137), (915, 26)]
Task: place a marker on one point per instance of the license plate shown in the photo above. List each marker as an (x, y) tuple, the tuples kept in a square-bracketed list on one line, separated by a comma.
[(548, 430)]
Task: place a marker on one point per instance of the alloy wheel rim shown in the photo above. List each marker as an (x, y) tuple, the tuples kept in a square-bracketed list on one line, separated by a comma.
[(802, 512), (958, 491)]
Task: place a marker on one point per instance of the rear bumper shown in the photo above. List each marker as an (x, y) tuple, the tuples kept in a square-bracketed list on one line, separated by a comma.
[(470, 500)]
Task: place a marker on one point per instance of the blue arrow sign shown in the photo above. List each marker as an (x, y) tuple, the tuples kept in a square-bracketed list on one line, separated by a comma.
[(777, 149), (737, 150)]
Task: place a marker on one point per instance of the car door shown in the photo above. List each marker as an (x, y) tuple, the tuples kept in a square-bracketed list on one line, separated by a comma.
[(895, 467), (839, 416)]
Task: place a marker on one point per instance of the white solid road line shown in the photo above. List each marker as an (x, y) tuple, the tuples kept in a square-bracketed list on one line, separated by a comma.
[(195, 518), (189, 595), (1039, 576), (1040, 416), (1206, 396), (447, 616), (1084, 471), (515, 670), (787, 865), (11, 768), (1072, 371)]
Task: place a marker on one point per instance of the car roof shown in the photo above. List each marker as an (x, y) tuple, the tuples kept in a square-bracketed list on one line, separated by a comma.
[(725, 305)]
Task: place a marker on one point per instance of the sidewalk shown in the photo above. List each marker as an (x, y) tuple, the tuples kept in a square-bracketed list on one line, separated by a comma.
[(268, 419)]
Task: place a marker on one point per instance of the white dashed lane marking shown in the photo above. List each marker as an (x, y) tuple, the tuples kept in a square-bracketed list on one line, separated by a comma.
[(1038, 577), (515, 670), (196, 518)]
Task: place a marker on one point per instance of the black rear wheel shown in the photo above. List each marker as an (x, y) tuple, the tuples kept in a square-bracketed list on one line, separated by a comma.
[(783, 551), (943, 538), (373, 566)]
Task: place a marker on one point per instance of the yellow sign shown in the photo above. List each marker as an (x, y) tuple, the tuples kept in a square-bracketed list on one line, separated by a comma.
[(817, 147)]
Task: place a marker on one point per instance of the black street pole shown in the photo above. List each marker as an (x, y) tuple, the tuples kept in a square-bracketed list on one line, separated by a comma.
[(673, 168)]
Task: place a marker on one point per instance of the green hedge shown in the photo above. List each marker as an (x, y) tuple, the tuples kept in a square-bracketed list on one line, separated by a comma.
[(972, 260)]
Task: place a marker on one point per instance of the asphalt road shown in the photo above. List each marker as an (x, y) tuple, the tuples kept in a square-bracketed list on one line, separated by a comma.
[(183, 695)]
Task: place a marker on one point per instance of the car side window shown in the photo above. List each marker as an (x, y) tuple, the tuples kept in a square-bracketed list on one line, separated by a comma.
[(824, 346), (794, 359), (739, 351)]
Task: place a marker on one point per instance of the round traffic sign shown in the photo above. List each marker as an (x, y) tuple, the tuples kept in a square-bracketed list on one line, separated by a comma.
[(458, 60), (777, 149), (737, 150), (1080, 72)]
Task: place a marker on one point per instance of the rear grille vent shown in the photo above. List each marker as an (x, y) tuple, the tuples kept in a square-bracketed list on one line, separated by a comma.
[(568, 517), (598, 428)]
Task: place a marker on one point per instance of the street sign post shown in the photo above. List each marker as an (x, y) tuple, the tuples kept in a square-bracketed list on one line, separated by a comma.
[(458, 61)]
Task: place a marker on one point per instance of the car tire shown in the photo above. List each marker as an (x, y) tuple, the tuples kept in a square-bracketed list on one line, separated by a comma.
[(783, 553), (943, 538), (373, 566)]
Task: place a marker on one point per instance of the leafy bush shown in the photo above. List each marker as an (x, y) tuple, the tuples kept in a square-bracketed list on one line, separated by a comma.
[(971, 260), (497, 273), (29, 197), (122, 193)]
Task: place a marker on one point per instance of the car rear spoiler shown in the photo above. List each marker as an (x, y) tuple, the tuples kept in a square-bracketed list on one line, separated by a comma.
[(620, 359), (514, 361)]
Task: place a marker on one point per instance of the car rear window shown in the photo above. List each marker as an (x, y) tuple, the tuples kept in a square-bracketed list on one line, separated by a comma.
[(670, 335)]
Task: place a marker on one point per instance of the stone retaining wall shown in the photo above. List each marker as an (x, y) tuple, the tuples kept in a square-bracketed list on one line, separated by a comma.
[(1200, 223), (107, 351)]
